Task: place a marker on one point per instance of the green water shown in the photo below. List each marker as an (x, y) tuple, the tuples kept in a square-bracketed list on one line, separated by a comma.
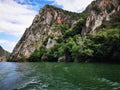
[(59, 76)]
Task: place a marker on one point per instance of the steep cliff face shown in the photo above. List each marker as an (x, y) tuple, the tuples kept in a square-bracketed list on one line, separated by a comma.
[(3, 54), (99, 11), (43, 27)]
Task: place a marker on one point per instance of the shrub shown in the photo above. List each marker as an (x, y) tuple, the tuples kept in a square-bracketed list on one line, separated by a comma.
[(76, 29), (37, 54), (96, 9)]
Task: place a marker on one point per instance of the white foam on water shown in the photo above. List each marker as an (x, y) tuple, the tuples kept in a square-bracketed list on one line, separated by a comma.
[(111, 83)]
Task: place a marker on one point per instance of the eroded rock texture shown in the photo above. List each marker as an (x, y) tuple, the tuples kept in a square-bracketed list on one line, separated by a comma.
[(44, 24)]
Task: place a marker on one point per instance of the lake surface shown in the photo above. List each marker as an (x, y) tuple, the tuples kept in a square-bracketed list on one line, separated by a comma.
[(59, 76)]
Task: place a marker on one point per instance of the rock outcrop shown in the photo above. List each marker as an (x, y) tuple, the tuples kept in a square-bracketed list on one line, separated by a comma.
[(45, 24), (3, 54), (99, 11), (44, 27)]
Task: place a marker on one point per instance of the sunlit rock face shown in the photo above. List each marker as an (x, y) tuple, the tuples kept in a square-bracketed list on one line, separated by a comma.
[(44, 24), (44, 29), (99, 11)]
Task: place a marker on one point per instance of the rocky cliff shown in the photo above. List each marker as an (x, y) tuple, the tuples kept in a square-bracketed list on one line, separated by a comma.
[(45, 27), (99, 11), (3, 54)]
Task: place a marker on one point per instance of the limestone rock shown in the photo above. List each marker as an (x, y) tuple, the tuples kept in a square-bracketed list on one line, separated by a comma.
[(49, 18), (100, 10), (44, 24), (50, 43), (61, 59)]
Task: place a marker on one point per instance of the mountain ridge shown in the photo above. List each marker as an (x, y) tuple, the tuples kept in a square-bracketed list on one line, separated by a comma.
[(54, 26), (42, 21)]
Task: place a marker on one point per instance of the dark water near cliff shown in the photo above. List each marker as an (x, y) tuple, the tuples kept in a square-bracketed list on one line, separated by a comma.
[(59, 76)]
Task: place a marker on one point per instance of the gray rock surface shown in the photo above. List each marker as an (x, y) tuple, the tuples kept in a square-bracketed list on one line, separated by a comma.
[(49, 18), (44, 24), (100, 10)]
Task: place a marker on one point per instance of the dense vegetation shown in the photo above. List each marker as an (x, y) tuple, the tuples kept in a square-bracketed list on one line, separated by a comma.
[(103, 46)]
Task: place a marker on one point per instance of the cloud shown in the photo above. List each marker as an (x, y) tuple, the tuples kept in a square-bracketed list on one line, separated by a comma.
[(73, 5), (8, 45), (2, 41), (14, 17)]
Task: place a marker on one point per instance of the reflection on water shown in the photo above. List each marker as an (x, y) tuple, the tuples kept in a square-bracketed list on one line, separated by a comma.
[(59, 76)]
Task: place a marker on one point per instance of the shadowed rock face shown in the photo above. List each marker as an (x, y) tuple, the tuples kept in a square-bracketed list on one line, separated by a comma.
[(44, 24), (3, 54)]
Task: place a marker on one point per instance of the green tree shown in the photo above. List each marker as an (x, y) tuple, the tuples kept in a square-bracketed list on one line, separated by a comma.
[(35, 56), (76, 29)]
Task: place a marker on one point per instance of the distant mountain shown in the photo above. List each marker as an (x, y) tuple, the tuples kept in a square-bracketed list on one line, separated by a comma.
[(4, 55), (59, 35)]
